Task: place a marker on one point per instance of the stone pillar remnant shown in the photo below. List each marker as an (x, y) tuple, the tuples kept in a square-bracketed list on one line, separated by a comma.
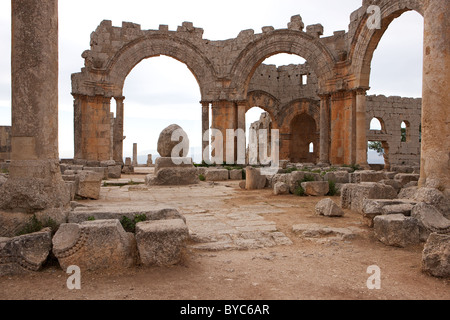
[(435, 157), (35, 182)]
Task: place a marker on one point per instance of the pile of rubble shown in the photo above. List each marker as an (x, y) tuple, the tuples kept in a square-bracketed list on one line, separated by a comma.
[(95, 239)]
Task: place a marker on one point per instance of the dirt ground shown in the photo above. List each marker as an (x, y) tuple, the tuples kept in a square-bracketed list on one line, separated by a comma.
[(305, 270)]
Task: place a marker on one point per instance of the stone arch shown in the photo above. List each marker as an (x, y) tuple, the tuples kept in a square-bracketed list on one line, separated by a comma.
[(286, 117), (133, 53), (382, 124), (281, 41), (366, 40), (303, 133), (298, 107), (265, 101)]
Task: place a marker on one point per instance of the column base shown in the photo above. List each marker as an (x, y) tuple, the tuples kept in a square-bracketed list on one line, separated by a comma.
[(33, 186)]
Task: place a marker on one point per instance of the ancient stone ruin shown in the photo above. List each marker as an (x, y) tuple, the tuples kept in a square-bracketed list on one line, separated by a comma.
[(322, 102)]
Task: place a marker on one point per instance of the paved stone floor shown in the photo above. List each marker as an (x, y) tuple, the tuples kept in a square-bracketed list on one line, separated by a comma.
[(215, 223)]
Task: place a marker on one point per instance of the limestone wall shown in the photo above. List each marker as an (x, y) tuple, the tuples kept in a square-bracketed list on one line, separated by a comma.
[(391, 112), (286, 83), (5, 143)]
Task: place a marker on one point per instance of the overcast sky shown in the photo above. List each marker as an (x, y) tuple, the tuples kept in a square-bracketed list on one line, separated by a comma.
[(161, 91)]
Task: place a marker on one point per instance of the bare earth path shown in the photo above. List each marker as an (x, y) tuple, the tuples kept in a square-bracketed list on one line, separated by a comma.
[(244, 248)]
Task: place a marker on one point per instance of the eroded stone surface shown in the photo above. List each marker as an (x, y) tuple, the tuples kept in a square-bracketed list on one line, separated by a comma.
[(95, 245), (329, 208), (166, 145), (436, 256), (161, 242), (24, 253), (396, 230)]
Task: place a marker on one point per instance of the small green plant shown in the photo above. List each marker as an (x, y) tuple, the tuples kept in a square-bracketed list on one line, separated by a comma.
[(91, 219), (34, 225), (354, 167), (202, 165), (308, 178), (299, 191), (333, 190), (290, 170), (202, 177), (5, 171), (121, 184), (130, 224)]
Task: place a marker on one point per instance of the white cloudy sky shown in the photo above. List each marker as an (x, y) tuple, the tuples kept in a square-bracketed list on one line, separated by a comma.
[(161, 91)]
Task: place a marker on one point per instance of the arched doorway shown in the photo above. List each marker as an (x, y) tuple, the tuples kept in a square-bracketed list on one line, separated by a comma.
[(304, 133), (161, 91)]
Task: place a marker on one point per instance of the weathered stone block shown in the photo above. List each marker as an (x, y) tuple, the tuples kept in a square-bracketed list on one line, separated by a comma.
[(407, 193), (396, 230), (296, 178), (114, 172), (255, 180), (107, 163), (366, 176), (393, 183), (173, 177), (236, 174), (280, 188), (82, 214), (101, 170), (278, 178), (353, 195), (161, 243), (162, 163), (89, 185), (25, 253), (316, 188), (216, 175), (329, 208), (435, 198), (430, 220), (436, 256), (337, 177), (95, 245), (405, 178)]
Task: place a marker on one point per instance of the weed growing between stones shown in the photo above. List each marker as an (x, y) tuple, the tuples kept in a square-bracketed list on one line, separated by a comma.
[(34, 225), (130, 224)]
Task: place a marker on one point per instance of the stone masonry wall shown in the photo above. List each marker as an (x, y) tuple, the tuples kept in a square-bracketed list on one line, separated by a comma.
[(391, 112)]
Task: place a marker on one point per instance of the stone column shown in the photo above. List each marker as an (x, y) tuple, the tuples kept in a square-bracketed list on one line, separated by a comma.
[(361, 128), (135, 160), (35, 182), (118, 131), (242, 139), (224, 118), (78, 125), (324, 129), (205, 128), (435, 156)]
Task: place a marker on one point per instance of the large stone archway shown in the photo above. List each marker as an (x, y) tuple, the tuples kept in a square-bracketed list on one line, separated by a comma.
[(114, 52), (365, 40), (298, 43), (224, 71)]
